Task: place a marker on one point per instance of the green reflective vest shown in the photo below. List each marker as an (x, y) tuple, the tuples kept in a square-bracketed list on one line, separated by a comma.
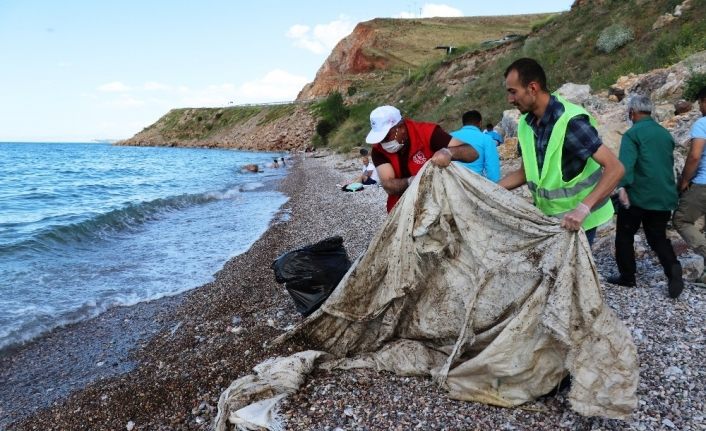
[(552, 195)]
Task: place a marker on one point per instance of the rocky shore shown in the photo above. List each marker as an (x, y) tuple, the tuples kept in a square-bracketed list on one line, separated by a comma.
[(163, 365)]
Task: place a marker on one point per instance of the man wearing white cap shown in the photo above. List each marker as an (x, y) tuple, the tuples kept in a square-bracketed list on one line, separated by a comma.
[(402, 146)]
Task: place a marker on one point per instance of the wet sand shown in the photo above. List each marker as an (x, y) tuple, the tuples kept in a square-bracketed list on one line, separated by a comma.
[(51, 367)]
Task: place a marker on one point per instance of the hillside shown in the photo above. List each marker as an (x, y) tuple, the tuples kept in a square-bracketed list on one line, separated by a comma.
[(393, 61), (661, 33), (372, 60), (569, 49), (381, 51), (260, 127)]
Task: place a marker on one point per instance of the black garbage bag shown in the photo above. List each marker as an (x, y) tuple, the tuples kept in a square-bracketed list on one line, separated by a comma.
[(312, 272)]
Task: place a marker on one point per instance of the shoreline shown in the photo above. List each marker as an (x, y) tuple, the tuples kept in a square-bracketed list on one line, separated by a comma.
[(148, 341), (138, 244), (181, 370), (50, 367)]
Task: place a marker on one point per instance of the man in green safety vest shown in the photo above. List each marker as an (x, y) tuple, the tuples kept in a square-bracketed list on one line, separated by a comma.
[(568, 170)]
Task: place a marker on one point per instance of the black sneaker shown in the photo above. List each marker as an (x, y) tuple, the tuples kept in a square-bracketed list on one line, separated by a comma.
[(676, 283), (621, 281)]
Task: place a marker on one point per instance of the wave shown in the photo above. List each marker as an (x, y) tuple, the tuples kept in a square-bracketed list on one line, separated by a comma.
[(104, 225), (46, 319)]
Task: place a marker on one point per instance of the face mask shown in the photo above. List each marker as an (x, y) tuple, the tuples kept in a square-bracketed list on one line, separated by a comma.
[(391, 146)]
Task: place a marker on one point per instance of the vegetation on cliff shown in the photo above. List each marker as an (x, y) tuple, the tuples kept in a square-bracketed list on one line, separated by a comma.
[(393, 61), (206, 126), (567, 45), (381, 52)]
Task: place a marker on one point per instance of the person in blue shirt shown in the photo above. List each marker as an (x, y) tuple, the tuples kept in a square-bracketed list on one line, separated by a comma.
[(692, 187), (490, 131), (488, 161)]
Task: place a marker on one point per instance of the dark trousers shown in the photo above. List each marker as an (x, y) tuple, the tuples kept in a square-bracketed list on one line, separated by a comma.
[(654, 224), (591, 235)]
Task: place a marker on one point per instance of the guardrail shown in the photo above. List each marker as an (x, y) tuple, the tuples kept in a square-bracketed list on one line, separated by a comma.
[(289, 102)]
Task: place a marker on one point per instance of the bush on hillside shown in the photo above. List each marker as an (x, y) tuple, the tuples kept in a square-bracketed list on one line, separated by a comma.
[(695, 83), (538, 25), (332, 108), (332, 113), (323, 129), (613, 37)]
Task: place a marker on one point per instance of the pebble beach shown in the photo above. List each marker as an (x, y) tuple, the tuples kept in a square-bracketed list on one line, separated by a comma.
[(162, 365)]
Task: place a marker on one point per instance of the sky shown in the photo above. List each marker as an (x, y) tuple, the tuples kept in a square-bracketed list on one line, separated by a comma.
[(84, 70)]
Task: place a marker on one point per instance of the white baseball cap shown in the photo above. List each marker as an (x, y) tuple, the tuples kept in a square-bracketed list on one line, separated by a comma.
[(382, 119)]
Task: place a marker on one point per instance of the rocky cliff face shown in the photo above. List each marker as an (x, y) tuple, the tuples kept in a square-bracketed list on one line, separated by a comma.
[(400, 46), (377, 58), (291, 132), (288, 132), (453, 76), (353, 55)]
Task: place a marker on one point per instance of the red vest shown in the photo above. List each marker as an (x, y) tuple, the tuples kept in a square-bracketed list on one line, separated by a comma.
[(419, 152)]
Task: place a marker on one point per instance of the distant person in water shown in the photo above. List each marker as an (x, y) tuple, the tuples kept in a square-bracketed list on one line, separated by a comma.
[(282, 161), (252, 167), (275, 164), (400, 147), (490, 131)]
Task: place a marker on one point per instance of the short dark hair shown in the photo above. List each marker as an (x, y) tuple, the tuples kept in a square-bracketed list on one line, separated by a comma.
[(489, 126), (528, 70), (363, 151), (472, 117), (701, 95)]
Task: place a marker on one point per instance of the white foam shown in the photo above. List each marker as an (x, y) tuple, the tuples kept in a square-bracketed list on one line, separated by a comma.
[(228, 194), (248, 187)]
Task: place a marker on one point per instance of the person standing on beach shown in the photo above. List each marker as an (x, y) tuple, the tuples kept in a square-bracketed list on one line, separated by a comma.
[(567, 168), (488, 162), (692, 186), (402, 146), (647, 195)]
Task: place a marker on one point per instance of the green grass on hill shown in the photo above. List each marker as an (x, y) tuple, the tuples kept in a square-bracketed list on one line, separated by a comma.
[(567, 48), (201, 123), (413, 40), (408, 45), (565, 45)]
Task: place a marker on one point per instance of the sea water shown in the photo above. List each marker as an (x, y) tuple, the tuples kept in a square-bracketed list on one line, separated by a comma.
[(86, 227)]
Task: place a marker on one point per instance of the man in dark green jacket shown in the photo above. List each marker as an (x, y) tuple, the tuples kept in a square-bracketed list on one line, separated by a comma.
[(647, 195)]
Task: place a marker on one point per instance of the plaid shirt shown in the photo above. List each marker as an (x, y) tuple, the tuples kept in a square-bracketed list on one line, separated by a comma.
[(580, 142)]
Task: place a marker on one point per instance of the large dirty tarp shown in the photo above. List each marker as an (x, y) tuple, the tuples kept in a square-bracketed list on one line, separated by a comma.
[(471, 285)]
